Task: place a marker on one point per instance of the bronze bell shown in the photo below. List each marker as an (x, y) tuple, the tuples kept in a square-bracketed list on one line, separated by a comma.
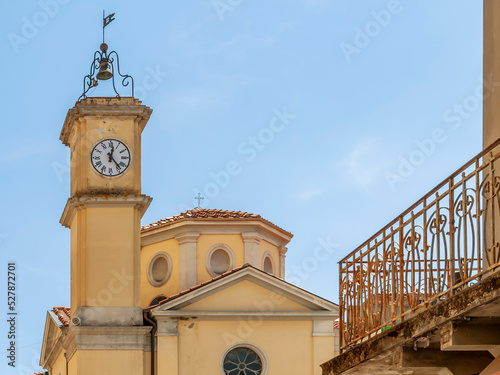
[(104, 71)]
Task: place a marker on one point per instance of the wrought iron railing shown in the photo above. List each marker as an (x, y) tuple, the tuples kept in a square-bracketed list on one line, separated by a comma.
[(445, 242)]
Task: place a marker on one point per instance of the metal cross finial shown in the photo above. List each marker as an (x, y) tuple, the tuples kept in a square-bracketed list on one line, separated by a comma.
[(199, 198)]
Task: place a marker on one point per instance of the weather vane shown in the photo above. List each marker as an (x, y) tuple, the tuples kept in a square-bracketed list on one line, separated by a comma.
[(102, 67)]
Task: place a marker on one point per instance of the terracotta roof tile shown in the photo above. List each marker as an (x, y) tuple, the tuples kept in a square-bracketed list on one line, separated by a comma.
[(206, 213), (39, 373), (63, 313)]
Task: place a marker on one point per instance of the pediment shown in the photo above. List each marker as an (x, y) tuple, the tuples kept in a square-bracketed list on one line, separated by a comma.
[(248, 289), (51, 345)]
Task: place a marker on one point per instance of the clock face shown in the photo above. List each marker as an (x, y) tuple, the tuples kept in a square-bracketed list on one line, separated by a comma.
[(110, 157)]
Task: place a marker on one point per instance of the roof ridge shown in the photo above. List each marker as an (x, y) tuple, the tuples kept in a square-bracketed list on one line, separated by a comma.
[(63, 313), (208, 213)]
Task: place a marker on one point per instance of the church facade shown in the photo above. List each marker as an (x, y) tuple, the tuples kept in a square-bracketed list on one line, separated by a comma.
[(201, 292)]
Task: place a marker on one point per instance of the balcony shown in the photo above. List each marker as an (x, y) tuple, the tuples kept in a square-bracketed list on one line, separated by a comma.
[(445, 243)]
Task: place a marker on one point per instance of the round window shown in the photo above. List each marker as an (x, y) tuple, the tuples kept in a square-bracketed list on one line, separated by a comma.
[(220, 259), (159, 269), (220, 262), (242, 361)]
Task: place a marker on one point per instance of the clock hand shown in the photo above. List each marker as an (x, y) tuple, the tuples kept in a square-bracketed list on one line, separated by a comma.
[(110, 154), (117, 165)]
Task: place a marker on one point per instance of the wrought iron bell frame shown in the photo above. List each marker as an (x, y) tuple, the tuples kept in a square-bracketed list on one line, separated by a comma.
[(90, 80)]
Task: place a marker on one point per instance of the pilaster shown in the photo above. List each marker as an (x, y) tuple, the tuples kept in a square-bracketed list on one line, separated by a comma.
[(168, 344), (251, 241), (491, 72), (187, 259), (491, 112), (282, 250)]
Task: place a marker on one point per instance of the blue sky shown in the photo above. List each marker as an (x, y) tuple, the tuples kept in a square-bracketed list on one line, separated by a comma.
[(338, 114)]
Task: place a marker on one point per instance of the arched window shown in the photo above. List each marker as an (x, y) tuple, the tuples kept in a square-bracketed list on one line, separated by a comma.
[(242, 361), (159, 269), (157, 300), (220, 259), (267, 263)]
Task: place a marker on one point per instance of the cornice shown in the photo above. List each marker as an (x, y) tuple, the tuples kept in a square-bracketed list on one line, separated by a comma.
[(53, 342), (251, 237), (108, 338), (56, 349), (252, 228), (101, 107), (189, 237), (210, 315), (139, 202)]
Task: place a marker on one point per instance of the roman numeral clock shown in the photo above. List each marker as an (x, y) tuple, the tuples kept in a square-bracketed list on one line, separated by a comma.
[(110, 157)]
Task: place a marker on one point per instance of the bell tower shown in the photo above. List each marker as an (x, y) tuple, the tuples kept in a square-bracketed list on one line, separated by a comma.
[(106, 333), (105, 208)]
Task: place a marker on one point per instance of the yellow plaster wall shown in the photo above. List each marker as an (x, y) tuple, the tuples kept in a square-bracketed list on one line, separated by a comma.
[(167, 360), (264, 247), (149, 292), (202, 344), (106, 362), (73, 364), (84, 178), (110, 255), (206, 241), (246, 296), (147, 363), (76, 264), (324, 350), (59, 367)]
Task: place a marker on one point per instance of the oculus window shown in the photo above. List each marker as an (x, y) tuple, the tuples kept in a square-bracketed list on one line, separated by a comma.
[(242, 361), (220, 259), (159, 269)]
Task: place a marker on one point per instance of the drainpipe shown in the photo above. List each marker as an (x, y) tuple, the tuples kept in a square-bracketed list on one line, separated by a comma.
[(153, 334)]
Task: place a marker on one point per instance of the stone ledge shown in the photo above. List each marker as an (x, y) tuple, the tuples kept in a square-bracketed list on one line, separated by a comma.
[(102, 107), (108, 338), (140, 202), (460, 305)]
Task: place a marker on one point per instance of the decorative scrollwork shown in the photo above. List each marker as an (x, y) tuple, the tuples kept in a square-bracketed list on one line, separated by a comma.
[(487, 190), (412, 240), (438, 223), (464, 204), (126, 78)]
